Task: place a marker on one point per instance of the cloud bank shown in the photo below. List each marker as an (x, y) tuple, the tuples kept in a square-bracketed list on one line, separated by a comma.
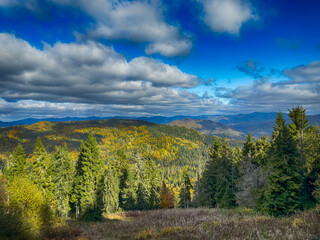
[(90, 76)]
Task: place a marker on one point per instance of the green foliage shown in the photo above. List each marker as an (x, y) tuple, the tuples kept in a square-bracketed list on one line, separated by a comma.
[(299, 119), (225, 173), (27, 202), (283, 192), (316, 192), (41, 169), (218, 180), (88, 176), (63, 171), (312, 159), (185, 191), (111, 191), (16, 164)]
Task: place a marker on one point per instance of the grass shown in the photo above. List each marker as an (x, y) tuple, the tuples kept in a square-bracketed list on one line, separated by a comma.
[(194, 224)]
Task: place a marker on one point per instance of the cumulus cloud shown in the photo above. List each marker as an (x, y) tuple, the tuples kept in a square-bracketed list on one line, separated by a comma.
[(137, 21), (170, 49), (309, 73), (66, 78), (140, 21), (302, 88), (227, 16)]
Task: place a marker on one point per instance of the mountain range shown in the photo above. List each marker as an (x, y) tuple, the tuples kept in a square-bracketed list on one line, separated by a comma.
[(234, 126)]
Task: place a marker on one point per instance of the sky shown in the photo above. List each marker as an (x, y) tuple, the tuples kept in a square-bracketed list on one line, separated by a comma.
[(80, 58)]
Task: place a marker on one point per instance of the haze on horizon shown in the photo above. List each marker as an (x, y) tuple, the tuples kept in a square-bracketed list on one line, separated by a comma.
[(143, 58)]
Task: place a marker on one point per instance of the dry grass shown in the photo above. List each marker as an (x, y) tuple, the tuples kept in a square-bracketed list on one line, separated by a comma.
[(194, 224)]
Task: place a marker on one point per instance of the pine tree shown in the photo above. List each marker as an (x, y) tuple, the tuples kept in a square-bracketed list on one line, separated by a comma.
[(185, 191), (63, 176), (316, 192), (127, 193), (87, 188), (208, 179), (312, 158), (283, 192), (111, 191), (153, 176), (41, 169), (298, 127), (225, 173), (16, 164)]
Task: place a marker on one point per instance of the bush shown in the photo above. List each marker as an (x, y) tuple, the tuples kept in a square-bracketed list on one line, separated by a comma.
[(27, 203)]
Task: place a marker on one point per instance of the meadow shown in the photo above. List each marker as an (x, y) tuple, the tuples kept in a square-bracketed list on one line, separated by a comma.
[(199, 223)]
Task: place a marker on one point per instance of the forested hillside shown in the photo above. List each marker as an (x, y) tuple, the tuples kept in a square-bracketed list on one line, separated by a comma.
[(82, 170), (172, 148)]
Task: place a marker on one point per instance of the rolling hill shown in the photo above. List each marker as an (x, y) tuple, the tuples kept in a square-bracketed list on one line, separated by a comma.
[(209, 127), (173, 148), (257, 123)]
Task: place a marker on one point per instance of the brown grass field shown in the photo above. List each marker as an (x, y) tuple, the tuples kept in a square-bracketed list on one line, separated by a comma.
[(193, 224)]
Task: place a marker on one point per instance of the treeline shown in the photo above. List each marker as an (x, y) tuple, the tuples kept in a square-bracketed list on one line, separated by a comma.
[(277, 176), (45, 189)]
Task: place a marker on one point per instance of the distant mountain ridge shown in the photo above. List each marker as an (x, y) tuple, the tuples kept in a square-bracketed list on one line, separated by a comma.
[(209, 127), (258, 123)]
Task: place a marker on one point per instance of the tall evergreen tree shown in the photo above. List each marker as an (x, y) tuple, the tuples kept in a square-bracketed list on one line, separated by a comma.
[(208, 179), (225, 173), (87, 186), (283, 192), (111, 191), (41, 169), (153, 176), (300, 123), (185, 191), (63, 171), (16, 164), (127, 189), (312, 158)]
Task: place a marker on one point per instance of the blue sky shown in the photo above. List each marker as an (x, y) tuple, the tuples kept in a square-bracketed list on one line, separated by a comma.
[(141, 58)]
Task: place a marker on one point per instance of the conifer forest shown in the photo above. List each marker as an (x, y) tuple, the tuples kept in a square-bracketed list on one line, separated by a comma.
[(126, 172)]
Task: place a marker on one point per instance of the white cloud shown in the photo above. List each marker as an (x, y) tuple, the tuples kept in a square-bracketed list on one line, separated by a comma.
[(227, 15), (302, 88), (170, 49), (71, 79), (309, 73), (138, 21)]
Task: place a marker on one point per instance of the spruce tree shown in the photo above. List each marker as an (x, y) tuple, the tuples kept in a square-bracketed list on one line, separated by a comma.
[(111, 191), (87, 188), (63, 176), (16, 164), (208, 179), (185, 191), (41, 169), (127, 193), (225, 173), (316, 192), (153, 176), (300, 123), (312, 158), (283, 192)]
